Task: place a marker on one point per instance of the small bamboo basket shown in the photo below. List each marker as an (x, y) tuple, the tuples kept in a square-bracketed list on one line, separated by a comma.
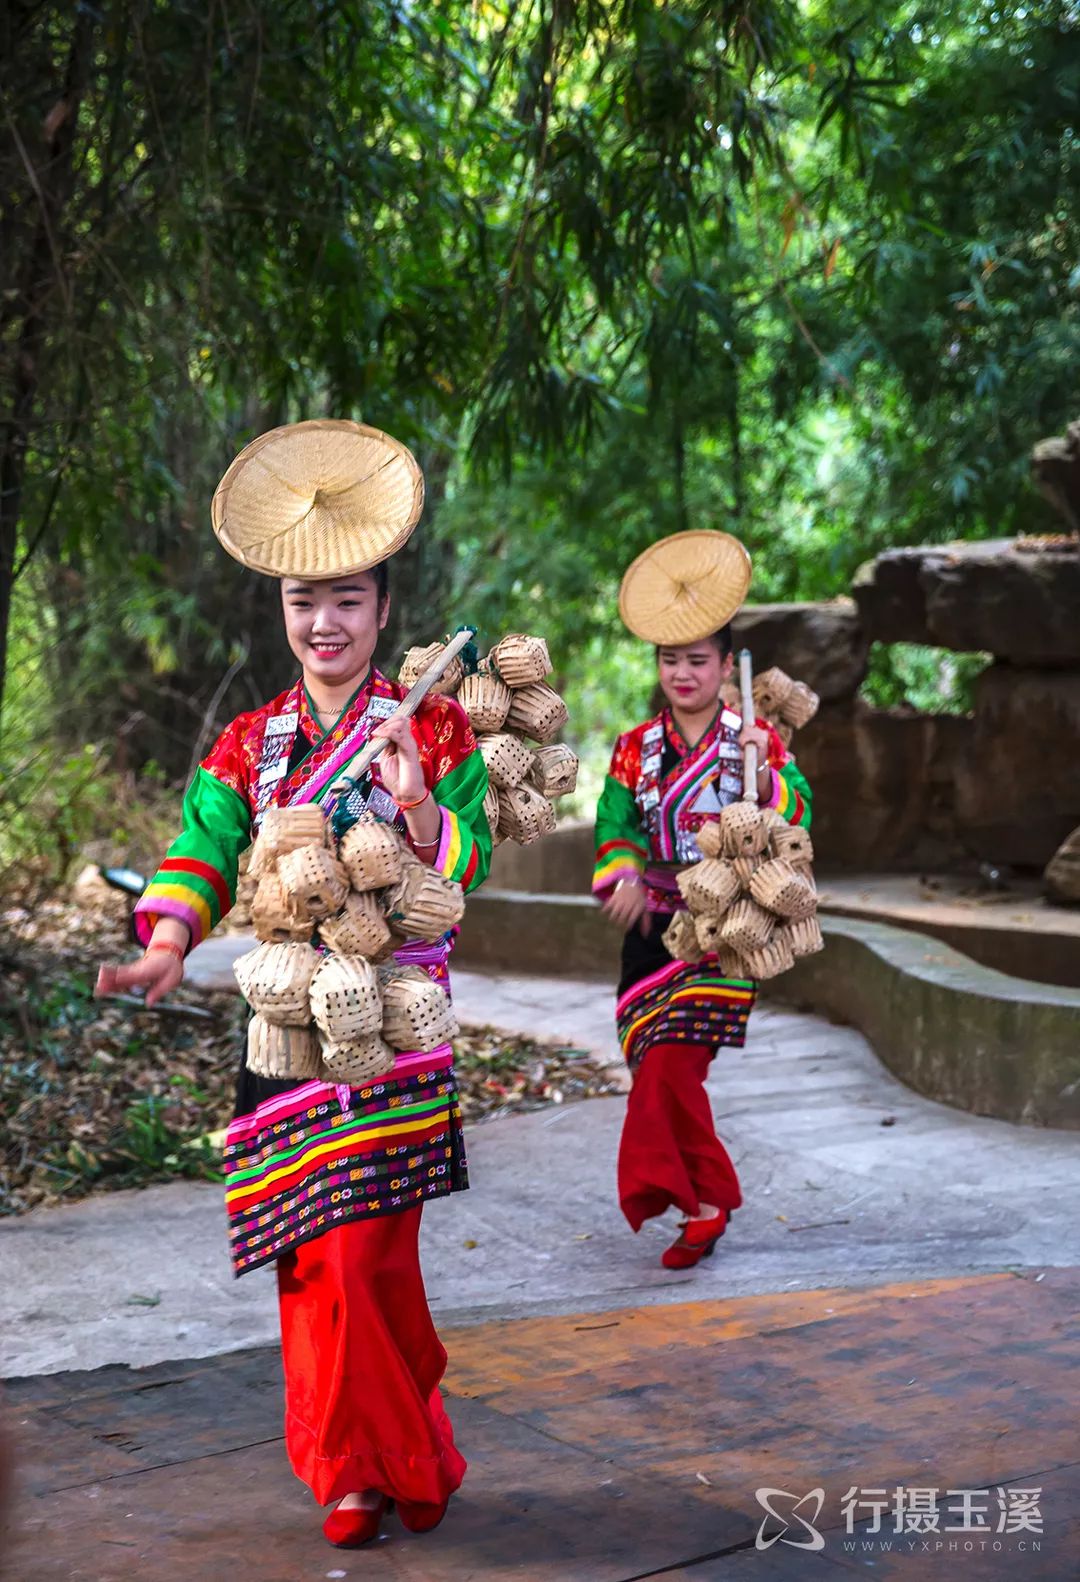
[(743, 831), (769, 961), (680, 938), (396, 900), (730, 963), (417, 1014), (708, 838), (525, 815), (555, 771), (246, 886), (370, 853), (771, 688), (508, 760), (774, 820), (486, 700), (791, 842), (425, 905), (746, 927), (520, 660), (709, 887), (314, 881), (417, 660), (275, 980), (707, 930), (274, 918), (804, 936), (745, 869), (366, 1059), (537, 712), (359, 929), (275, 1051), (800, 705), (491, 808), (283, 829), (345, 999), (780, 890)]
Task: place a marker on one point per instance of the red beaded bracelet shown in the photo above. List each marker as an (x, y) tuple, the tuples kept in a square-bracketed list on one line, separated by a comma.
[(170, 945)]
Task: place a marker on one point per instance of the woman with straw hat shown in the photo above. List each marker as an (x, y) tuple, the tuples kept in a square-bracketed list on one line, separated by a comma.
[(667, 776), (329, 1180)]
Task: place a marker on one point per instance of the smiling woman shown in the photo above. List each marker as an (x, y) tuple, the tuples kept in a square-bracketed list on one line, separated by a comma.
[(326, 1179), (669, 776), (332, 628)]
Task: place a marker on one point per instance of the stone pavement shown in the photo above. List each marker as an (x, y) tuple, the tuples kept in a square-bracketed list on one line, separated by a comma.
[(610, 1449), (849, 1178), (893, 1306)]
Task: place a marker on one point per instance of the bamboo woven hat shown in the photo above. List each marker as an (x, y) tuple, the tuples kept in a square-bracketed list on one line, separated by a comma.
[(318, 499), (685, 587)]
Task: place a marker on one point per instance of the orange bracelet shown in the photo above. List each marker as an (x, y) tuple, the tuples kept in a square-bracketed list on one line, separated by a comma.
[(170, 945), (407, 807)]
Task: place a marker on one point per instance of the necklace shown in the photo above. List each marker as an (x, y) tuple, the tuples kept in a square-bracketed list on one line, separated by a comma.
[(329, 714)]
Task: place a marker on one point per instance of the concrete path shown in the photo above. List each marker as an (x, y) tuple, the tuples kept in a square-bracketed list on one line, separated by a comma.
[(849, 1179)]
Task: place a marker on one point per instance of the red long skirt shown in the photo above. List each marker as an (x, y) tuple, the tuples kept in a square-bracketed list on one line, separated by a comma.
[(363, 1365), (670, 1155)]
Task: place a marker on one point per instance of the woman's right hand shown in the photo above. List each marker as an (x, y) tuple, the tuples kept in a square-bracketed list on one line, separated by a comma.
[(626, 903), (159, 972)]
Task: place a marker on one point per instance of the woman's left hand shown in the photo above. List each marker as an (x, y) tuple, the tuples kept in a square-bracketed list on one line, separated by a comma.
[(399, 764), (760, 739), (754, 735)]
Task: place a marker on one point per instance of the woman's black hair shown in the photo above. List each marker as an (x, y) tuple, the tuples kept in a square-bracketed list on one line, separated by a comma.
[(723, 641), (381, 573)]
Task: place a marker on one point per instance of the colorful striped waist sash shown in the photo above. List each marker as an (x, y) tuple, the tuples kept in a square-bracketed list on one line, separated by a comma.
[(318, 1156), (662, 893)]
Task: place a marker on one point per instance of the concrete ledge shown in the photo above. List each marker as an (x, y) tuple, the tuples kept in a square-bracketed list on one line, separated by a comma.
[(953, 1030), (1019, 932), (522, 931)]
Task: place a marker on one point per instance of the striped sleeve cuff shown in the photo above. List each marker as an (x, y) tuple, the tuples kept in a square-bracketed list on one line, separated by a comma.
[(785, 799), (616, 860), (189, 890), (456, 857)]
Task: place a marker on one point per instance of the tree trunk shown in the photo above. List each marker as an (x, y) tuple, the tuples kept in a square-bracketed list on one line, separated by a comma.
[(41, 292)]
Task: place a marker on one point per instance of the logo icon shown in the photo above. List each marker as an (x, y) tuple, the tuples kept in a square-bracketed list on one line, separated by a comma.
[(787, 1509)]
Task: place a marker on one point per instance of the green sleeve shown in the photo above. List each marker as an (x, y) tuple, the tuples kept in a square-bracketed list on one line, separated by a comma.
[(465, 848), (196, 883), (622, 847), (792, 796)]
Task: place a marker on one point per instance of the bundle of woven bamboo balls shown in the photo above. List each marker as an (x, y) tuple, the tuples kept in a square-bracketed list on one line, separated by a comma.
[(339, 1015), (510, 706), (751, 900)]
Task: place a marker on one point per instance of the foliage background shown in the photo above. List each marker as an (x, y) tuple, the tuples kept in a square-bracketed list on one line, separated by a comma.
[(612, 268)]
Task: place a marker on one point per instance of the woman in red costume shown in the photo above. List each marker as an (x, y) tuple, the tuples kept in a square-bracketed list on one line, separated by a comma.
[(667, 776), (329, 1180)]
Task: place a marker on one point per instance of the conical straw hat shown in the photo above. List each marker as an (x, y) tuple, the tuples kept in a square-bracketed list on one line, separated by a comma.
[(318, 499), (685, 587)]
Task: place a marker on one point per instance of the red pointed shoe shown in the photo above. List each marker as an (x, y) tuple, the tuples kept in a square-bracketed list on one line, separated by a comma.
[(350, 1529), (696, 1240), (421, 1518)]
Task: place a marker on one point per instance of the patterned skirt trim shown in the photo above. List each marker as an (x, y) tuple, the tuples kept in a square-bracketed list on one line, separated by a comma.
[(319, 1156), (683, 1003)]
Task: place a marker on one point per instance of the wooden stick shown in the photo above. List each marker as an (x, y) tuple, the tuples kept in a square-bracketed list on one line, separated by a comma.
[(750, 763), (163, 1008), (404, 711)]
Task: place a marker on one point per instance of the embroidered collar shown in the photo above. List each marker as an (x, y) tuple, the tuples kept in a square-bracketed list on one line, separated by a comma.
[(676, 737), (310, 728)]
